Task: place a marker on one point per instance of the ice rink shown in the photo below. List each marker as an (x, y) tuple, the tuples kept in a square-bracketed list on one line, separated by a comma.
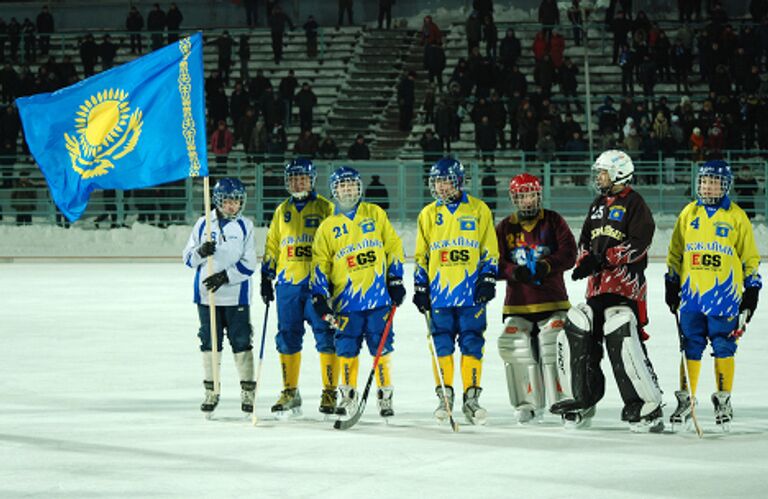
[(101, 386)]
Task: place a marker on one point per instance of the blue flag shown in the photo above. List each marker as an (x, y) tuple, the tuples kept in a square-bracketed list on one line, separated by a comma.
[(137, 125)]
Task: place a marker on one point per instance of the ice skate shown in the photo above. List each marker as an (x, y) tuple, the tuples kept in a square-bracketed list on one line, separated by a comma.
[(328, 401), (442, 411), (475, 414), (247, 393), (526, 414), (578, 419), (210, 401), (384, 401), (723, 410), (651, 423), (289, 403), (681, 418), (348, 405)]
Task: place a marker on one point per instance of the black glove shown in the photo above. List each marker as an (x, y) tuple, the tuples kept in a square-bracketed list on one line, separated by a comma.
[(267, 291), (542, 269), (522, 274), (215, 281), (485, 290), (207, 249), (396, 290), (323, 310), (749, 301), (421, 298), (588, 266), (672, 294)]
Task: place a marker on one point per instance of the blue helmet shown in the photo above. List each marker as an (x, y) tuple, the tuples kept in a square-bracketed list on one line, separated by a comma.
[(446, 169), (300, 167), (713, 181), (347, 198), (229, 188)]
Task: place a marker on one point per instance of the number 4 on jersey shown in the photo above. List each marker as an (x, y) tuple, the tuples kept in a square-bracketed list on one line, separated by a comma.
[(695, 223)]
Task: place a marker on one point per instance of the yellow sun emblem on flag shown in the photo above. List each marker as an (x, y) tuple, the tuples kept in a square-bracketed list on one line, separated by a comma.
[(105, 131)]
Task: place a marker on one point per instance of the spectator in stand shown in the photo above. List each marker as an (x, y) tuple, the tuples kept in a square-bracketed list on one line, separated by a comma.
[(429, 104), (544, 75), (681, 63), (491, 36), (224, 44), (244, 127), (607, 117), (720, 82), (277, 24), (218, 107), (549, 17), (676, 135), (173, 20), (30, 42), (497, 115), (306, 145), (434, 63), (385, 12), (516, 81), (557, 49), (648, 76), (576, 16), (473, 30), (485, 140), (251, 13), (257, 87), (661, 50), (696, 142), (715, 140), (620, 28), (89, 53), (746, 188), (328, 149), (273, 108), (222, 142), (545, 148), (287, 91), (430, 33), (257, 142), (575, 148), (311, 32), (45, 27), (156, 25), (568, 84), (377, 193), (527, 127), (135, 23), (10, 83), (244, 54), (445, 118), (406, 96), (345, 6), (359, 149), (14, 38), (107, 52), (509, 50), (740, 66), (238, 103), (431, 149), (306, 100), (540, 46), (277, 144)]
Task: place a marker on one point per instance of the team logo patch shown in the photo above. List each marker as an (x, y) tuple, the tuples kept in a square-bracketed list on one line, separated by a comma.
[(467, 223), (367, 226), (722, 229), (312, 222), (616, 213)]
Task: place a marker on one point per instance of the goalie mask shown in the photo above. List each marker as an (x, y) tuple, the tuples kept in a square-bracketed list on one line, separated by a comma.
[(525, 194)]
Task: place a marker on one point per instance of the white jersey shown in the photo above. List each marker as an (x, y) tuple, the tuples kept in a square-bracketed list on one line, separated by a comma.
[(235, 253)]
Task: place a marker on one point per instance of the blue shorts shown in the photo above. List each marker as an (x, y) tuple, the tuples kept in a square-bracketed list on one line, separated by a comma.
[(699, 327), (368, 324), (465, 323), (294, 307), (236, 319)]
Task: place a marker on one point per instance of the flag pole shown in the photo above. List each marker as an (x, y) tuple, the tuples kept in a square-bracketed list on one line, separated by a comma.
[(211, 300)]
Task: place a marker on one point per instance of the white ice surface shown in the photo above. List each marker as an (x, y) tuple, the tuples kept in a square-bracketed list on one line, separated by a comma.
[(101, 382)]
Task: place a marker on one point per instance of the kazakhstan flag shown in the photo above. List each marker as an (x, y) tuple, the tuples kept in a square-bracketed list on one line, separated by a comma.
[(137, 125)]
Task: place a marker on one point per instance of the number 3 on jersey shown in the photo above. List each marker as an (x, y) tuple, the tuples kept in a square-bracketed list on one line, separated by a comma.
[(338, 231), (439, 219)]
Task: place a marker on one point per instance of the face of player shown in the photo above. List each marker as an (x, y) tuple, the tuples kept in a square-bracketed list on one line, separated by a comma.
[(230, 207), (299, 185), (445, 189), (710, 187), (347, 193), (527, 201), (603, 180)]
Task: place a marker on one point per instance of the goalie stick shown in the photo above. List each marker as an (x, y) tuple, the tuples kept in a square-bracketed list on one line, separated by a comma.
[(436, 362), (349, 423)]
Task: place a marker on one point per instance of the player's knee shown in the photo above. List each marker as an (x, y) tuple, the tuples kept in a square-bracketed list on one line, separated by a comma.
[(471, 343), (723, 346), (578, 322), (443, 344), (515, 344), (288, 343), (548, 333)]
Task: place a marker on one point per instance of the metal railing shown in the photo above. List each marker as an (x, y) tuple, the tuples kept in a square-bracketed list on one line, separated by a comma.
[(666, 184)]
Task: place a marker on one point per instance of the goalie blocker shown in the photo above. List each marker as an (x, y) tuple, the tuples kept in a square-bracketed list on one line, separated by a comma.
[(579, 351), (528, 351)]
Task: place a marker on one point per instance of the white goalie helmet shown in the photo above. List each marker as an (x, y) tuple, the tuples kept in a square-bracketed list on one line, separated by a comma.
[(618, 164)]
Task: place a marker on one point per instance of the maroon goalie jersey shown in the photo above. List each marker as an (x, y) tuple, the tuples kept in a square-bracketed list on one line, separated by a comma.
[(619, 230), (548, 239)]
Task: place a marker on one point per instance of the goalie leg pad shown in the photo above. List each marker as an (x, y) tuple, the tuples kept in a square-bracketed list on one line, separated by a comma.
[(549, 329), (633, 371), (524, 381), (578, 361)]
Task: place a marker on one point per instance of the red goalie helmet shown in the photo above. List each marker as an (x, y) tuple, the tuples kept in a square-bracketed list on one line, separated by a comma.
[(525, 193)]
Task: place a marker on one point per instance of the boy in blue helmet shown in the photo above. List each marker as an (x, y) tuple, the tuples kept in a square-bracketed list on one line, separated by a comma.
[(712, 280), (234, 261), (288, 258), (357, 276), (455, 277)]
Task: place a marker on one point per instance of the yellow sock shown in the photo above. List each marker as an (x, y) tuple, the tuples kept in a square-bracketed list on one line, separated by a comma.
[(291, 364), (446, 366), (349, 370), (329, 370), (724, 368), (694, 368), (383, 377), (471, 371)]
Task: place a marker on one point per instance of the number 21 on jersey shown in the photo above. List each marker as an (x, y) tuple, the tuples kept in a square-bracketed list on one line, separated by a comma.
[(339, 230)]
